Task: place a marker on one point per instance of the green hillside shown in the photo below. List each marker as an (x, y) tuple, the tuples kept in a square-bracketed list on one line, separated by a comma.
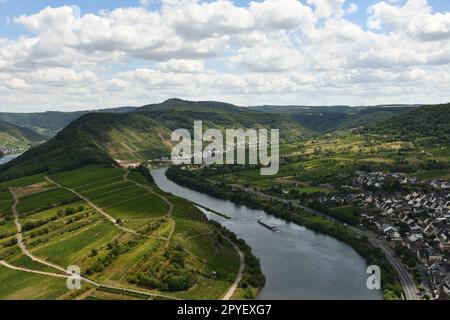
[(50, 123), (96, 138), (101, 138), (429, 124), (12, 136)]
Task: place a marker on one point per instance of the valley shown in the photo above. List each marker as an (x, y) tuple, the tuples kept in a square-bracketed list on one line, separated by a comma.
[(87, 198)]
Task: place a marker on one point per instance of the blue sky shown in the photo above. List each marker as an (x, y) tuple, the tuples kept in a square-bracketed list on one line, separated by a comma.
[(266, 52), (13, 8)]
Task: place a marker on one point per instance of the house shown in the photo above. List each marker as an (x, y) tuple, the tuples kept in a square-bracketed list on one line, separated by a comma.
[(414, 237), (430, 230)]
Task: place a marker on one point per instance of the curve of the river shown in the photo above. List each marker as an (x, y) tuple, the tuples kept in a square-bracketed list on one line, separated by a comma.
[(298, 263)]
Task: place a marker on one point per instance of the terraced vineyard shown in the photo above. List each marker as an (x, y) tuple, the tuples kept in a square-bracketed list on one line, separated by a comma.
[(130, 240)]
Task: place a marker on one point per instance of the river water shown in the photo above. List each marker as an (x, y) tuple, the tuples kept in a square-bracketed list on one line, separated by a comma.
[(298, 263), (8, 158)]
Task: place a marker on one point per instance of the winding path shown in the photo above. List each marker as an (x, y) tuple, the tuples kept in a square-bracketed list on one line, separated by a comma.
[(19, 236), (238, 279)]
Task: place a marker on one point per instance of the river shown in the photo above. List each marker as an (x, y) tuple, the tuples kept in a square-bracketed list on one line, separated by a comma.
[(8, 158), (298, 263)]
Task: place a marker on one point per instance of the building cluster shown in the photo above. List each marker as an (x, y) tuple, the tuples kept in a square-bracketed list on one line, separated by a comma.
[(421, 223), (418, 221), (11, 150), (379, 180)]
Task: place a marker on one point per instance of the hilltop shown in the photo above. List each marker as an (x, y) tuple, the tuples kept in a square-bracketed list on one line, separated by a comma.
[(142, 134)]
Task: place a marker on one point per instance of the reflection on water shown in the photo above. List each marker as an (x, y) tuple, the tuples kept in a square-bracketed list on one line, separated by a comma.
[(298, 263)]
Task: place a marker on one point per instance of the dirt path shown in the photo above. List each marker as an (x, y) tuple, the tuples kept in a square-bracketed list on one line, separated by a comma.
[(169, 212), (20, 237), (66, 276), (10, 266), (98, 209), (238, 279)]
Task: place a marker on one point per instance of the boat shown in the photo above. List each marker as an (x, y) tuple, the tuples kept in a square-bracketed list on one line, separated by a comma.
[(268, 226)]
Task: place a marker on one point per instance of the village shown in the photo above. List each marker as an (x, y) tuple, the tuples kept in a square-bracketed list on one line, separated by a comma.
[(412, 216), (12, 150)]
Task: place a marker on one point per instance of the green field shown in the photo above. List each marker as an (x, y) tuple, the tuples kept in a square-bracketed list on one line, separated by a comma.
[(147, 206), (44, 200), (86, 176), (17, 285), (73, 248), (22, 182)]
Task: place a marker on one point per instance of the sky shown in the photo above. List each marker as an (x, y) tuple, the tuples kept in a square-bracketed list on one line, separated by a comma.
[(81, 54)]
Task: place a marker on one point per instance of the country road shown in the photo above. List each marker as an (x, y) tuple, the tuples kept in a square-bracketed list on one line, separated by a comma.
[(406, 280)]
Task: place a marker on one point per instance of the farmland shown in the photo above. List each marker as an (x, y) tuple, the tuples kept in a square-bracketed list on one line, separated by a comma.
[(121, 231)]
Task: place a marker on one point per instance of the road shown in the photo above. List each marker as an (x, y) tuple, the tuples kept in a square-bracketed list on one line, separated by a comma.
[(406, 280), (238, 279)]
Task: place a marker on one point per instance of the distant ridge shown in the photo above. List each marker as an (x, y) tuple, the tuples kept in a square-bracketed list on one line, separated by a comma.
[(330, 118)]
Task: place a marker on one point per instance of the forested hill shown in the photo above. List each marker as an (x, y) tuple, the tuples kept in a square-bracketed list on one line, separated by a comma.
[(429, 123)]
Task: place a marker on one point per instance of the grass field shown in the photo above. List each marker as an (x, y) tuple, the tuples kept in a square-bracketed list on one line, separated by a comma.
[(44, 200), (22, 182), (86, 176), (21, 285), (73, 248)]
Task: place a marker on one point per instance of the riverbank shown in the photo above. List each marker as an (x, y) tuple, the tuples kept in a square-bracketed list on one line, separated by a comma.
[(322, 225)]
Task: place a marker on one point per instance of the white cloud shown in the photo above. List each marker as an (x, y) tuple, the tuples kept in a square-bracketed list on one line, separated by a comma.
[(15, 84), (182, 66), (328, 8), (415, 18), (271, 51)]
